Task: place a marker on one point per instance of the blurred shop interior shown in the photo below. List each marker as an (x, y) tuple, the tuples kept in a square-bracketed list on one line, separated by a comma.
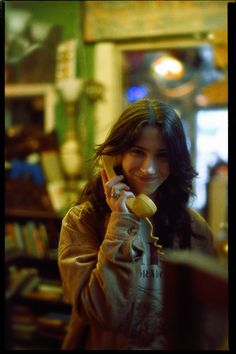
[(70, 70)]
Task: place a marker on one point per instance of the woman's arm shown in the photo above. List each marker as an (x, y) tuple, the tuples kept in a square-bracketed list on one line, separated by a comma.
[(99, 278)]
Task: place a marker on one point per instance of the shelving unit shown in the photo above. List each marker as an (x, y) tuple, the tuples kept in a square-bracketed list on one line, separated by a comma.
[(36, 315)]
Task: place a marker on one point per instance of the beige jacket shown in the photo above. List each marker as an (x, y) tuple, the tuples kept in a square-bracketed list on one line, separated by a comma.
[(100, 270)]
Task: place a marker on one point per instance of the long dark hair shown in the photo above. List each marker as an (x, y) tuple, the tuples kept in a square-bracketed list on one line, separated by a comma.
[(173, 195)]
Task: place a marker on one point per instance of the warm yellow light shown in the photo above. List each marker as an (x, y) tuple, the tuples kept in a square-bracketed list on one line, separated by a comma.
[(168, 68)]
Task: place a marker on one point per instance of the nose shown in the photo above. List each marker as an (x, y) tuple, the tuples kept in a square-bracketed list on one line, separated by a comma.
[(148, 166)]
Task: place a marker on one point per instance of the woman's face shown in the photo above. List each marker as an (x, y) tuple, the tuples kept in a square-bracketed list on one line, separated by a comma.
[(145, 165)]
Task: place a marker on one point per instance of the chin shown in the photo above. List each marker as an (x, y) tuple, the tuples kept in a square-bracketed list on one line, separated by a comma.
[(149, 191), (146, 191)]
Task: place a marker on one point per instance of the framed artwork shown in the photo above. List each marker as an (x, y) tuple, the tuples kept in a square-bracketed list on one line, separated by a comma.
[(38, 99)]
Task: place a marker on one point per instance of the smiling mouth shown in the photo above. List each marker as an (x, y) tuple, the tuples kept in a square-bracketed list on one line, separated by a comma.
[(147, 179)]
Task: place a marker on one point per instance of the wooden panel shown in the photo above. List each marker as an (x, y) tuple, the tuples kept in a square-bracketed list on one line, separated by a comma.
[(117, 20)]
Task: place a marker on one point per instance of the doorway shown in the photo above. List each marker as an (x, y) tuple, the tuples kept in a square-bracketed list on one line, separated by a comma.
[(175, 71)]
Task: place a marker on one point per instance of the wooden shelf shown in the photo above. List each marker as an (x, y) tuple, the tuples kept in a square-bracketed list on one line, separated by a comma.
[(35, 214), (47, 267), (43, 305)]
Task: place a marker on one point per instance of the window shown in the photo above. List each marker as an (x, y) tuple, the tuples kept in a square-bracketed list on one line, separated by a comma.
[(211, 147)]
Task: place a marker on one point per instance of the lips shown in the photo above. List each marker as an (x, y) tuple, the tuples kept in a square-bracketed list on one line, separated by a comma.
[(148, 179)]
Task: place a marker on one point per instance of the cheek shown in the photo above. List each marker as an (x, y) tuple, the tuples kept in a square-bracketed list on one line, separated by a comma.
[(163, 169), (128, 164)]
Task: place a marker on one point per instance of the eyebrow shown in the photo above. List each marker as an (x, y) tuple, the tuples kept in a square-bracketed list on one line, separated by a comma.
[(142, 148)]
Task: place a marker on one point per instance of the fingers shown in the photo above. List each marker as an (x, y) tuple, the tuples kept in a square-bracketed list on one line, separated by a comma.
[(107, 182), (123, 197), (104, 177), (116, 192), (113, 187)]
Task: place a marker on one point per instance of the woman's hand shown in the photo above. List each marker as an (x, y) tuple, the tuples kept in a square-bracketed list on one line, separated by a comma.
[(116, 192)]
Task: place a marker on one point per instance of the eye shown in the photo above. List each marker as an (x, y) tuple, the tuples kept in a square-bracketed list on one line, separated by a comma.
[(162, 156), (136, 151)]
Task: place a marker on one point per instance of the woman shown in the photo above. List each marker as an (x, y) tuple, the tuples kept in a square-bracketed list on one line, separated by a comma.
[(109, 258)]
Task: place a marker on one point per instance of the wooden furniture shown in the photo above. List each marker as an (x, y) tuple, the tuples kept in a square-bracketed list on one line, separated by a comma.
[(36, 314)]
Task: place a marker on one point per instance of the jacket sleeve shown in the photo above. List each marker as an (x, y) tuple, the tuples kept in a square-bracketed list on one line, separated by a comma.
[(204, 240), (99, 278)]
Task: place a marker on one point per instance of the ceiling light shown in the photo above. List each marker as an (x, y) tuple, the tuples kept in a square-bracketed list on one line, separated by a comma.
[(167, 67)]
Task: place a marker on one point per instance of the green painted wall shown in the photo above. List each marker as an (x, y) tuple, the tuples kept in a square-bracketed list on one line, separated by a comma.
[(68, 15), (64, 13)]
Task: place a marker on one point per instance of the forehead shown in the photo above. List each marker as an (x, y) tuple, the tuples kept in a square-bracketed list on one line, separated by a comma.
[(151, 137)]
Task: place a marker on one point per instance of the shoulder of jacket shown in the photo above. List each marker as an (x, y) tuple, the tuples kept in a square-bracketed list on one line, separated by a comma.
[(203, 238), (198, 222), (196, 216), (81, 211)]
